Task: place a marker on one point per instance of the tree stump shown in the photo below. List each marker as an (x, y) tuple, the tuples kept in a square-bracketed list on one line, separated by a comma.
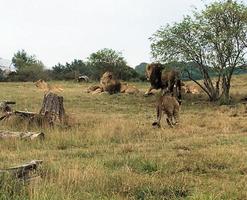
[(51, 112), (52, 108), (5, 106), (6, 109)]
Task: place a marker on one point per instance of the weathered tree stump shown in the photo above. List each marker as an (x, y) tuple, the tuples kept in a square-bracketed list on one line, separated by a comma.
[(25, 172), (52, 112), (52, 108), (7, 110), (5, 106), (22, 135)]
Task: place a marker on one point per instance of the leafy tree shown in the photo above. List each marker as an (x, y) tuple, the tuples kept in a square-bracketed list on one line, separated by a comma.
[(28, 68), (21, 59), (110, 60), (71, 70), (140, 69), (2, 78), (215, 39)]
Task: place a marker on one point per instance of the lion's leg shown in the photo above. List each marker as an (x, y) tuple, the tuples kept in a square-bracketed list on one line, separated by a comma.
[(176, 116), (148, 92), (169, 119), (159, 113)]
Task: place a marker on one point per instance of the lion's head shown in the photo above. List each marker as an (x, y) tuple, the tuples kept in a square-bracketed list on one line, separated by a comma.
[(41, 84), (106, 78), (153, 74), (109, 83)]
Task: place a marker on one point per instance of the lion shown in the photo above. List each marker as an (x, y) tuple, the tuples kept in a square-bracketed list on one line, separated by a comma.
[(167, 104), (41, 84), (94, 88), (190, 89), (112, 85), (109, 83), (164, 80), (128, 89)]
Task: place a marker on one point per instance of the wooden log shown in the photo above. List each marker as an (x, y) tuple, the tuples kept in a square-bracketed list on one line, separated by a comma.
[(31, 117), (24, 171), (244, 99), (22, 135), (5, 116), (25, 114)]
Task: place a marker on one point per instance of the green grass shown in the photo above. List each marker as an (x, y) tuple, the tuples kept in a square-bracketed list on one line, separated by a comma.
[(112, 151)]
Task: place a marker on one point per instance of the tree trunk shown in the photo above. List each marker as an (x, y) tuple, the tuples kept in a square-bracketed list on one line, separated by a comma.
[(5, 106), (52, 108), (214, 97), (213, 93), (225, 95)]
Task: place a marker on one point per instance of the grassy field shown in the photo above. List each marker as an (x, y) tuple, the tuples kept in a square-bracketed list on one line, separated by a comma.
[(112, 151)]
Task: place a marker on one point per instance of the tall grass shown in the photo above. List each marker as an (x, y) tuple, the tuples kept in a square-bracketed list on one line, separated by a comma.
[(112, 151)]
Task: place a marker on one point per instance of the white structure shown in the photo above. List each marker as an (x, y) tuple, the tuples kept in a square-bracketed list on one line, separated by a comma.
[(82, 78), (6, 65)]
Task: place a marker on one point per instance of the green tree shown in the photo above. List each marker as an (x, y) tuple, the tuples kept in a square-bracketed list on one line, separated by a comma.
[(215, 39), (140, 69), (21, 59), (28, 68), (110, 60), (71, 70), (2, 78)]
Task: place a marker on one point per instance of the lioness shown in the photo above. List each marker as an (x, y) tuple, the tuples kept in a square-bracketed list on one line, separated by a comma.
[(128, 89), (168, 105), (191, 89), (41, 84)]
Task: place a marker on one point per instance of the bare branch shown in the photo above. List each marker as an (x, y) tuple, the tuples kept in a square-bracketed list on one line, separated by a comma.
[(200, 85)]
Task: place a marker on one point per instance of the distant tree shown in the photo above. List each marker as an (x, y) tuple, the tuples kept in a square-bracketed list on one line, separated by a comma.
[(21, 59), (140, 69), (70, 71), (2, 78), (28, 68), (110, 60), (214, 38), (80, 68)]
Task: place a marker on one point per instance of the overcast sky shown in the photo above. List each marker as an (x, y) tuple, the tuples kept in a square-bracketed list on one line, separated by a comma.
[(63, 30)]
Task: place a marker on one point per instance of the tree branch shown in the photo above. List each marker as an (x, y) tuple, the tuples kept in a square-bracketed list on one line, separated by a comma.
[(201, 86)]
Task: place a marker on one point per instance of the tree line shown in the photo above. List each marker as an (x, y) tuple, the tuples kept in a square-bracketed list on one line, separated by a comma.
[(29, 68)]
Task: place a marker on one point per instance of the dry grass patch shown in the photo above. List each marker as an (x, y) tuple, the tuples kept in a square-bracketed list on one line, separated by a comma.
[(112, 151)]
